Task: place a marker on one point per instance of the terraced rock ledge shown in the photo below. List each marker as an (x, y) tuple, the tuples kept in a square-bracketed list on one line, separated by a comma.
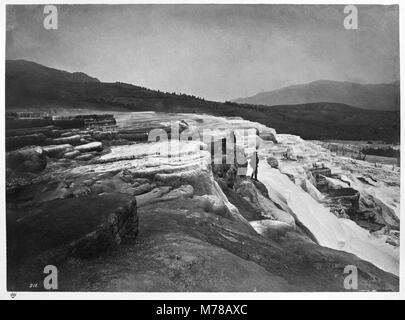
[(132, 218)]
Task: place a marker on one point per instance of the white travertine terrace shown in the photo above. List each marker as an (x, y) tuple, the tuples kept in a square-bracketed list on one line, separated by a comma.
[(307, 205)]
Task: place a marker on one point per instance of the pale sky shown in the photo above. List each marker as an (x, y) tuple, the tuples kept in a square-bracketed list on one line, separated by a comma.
[(218, 52)]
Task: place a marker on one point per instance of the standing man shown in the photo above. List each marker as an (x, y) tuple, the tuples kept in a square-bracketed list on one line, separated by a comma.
[(254, 160), (254, 163)]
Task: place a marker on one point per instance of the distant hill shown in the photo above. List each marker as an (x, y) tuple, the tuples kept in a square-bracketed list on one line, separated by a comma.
[(366, 96), (31, 86), (29, 82), (36, 72)]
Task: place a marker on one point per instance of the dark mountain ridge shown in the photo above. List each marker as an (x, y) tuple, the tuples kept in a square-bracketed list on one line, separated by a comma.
[(31, 86), (385, 96), (36, 71)]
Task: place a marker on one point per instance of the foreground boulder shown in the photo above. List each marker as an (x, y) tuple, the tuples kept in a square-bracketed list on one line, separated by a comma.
[(54, 231), (29, 159)]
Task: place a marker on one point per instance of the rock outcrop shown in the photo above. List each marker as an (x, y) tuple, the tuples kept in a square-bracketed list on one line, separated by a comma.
[(57, 151), (269, 136), (92, 146), (273, 162), (57, 230), (344, 202), (28, 159), (248, 190), (74, 140)]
